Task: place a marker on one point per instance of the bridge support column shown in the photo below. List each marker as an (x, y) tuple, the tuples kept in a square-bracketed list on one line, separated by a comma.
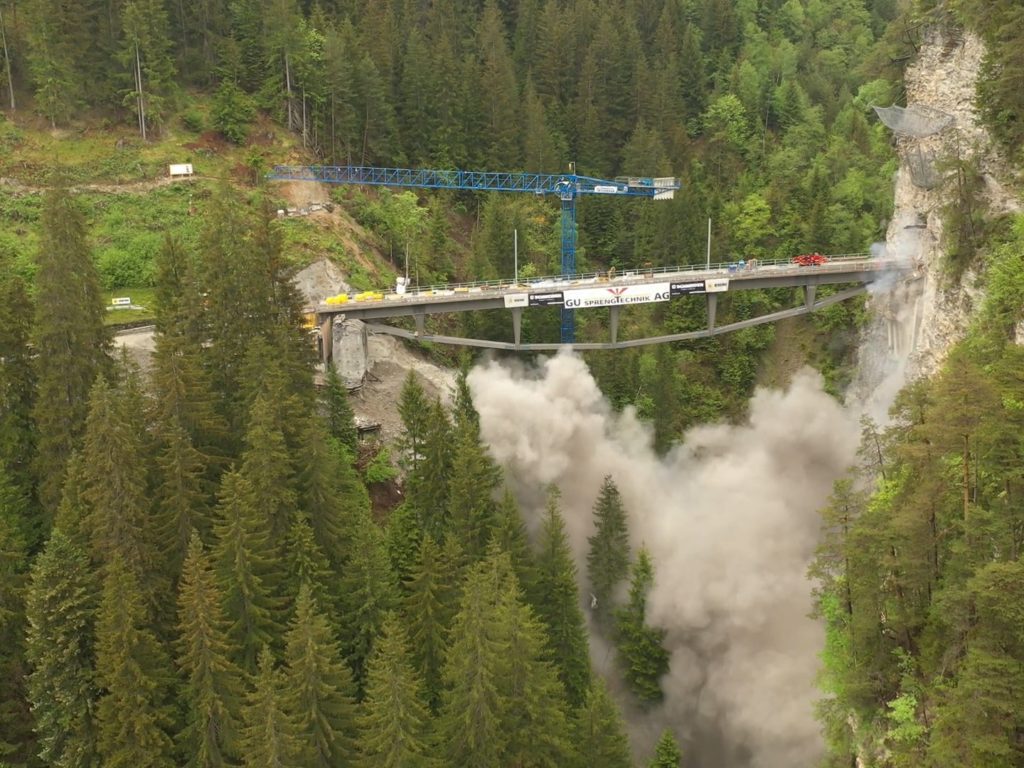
[(517, 323), (613, 323), (712, 309), (419, 319), (326, 339), (809, 291)]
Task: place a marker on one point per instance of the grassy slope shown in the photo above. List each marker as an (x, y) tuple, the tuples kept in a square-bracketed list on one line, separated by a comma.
[(132, 206)]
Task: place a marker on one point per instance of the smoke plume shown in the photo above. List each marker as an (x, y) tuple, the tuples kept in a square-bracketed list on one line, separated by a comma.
[(730, 518)]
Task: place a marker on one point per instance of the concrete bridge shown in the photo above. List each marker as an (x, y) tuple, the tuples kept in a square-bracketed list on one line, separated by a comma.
[(598, 290)]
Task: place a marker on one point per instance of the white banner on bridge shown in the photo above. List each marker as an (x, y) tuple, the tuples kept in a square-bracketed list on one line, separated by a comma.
[(616, 296), (517, 300), (717, 285)]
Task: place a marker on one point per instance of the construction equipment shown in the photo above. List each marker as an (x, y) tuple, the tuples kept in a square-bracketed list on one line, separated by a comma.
[(568, 187), (810, 260)]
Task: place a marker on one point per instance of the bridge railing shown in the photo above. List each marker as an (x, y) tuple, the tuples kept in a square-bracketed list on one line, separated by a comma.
[(737, 268)]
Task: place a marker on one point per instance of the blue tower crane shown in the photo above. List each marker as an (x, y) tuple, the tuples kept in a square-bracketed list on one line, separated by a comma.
[(567, 186)]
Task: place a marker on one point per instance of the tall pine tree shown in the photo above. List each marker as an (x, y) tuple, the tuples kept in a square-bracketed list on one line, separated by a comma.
[(608, 558)]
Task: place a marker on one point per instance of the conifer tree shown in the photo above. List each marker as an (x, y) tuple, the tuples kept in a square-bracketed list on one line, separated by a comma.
[(427, 485), (116, 483), (559, 605), (608, 558), (307, 564), (61, 611), (403, 537), (394, 728), (340, 419), (132, 716), (16, 741), (666, 753), (369, 591), (318, 692), (331, 493), (641, 654), (147, 51), (266, 468), (269, 732), (212, 690), (414, 410), (242, 557), (182, 500), (599, 735), (69, 326), (429, 608), (510, 536), (73, 512), (17, 378), (470, 724), (534, 701), (474, 477)]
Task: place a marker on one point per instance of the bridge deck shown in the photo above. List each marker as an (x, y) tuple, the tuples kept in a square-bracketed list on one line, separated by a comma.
[(478, 296)]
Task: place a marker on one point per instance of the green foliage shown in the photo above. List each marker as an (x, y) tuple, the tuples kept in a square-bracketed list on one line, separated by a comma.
[(608, 557), (61, 611), (380, 469), (231, 112), (394, 728), (641, 654), (599, 732), (268, 731), (666, 753)]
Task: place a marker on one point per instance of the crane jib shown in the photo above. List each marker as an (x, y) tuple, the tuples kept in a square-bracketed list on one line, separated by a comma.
[(563, 185)]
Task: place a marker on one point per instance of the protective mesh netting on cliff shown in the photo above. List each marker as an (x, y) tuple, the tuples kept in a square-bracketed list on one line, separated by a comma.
[(915, 120)]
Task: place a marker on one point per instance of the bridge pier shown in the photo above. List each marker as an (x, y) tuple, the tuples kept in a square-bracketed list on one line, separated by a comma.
[(809, 291), (613, 323), (326, 339), (420, 319), (712, 309), (517, 324)]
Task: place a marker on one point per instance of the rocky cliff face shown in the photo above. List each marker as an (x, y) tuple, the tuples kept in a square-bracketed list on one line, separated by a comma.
[(921, 317)]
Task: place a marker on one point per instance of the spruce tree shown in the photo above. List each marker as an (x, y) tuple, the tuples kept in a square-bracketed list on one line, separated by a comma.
[(17, 381), (212, 691), (608, 558), (133, 716), (268, 733), (470, 723), (666, 753), (307, 565), (599, 734), (641, 654), (73, 512), (369, 591), (266, 467), (182, 498), (394, 727), (318, 693), (534, 700), (429, 608), (243, 564), (116, 483), (331, 493), (16, 740), (403, 537), (61, 611), (414, 409), (510, 536), (340, 419), (474, 476), (69, 330), (427, 485), (559, 605)]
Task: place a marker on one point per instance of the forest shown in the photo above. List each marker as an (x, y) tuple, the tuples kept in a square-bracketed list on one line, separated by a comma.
[(191, 571)]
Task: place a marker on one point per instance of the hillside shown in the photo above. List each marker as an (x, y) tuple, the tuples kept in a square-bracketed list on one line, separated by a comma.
[(596, 560)]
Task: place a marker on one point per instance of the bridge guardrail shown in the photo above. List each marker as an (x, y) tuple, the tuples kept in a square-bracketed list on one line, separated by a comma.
[(488, 287)]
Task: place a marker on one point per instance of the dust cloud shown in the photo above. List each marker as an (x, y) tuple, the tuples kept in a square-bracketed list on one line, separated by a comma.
[(731, 520)]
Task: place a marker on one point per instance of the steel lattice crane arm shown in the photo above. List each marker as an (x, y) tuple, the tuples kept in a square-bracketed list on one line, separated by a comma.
[(567, 186)]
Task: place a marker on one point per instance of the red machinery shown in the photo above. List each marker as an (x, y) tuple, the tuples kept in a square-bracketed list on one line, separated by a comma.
[(810, 259)]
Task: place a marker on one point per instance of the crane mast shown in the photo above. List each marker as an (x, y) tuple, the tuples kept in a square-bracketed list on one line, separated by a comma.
[(567, 186)]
